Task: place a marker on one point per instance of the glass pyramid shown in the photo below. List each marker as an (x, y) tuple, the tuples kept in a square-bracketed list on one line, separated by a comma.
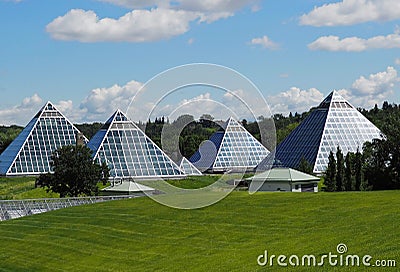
[(129, 152), (234, 148), (188, 168), (30, 153), (335, 122)]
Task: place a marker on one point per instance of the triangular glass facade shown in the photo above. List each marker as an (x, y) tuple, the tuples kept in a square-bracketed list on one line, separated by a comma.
[(232, 149), (30, 153), (335, 122), (129, 152), (188, 168)]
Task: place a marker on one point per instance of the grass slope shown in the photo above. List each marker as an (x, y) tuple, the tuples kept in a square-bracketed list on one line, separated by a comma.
[(22, 188), (141, 235)]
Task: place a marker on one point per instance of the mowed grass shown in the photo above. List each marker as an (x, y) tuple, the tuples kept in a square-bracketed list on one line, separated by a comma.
[(22, 188), (142, 235), (194, 182)]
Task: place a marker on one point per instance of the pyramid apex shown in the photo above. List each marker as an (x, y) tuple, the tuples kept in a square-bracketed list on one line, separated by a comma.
[(118, 115), (225, 126), (334, 96)]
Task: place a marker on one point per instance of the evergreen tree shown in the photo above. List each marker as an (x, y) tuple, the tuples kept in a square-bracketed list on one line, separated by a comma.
[(358, 170), (330, 174), (339, 170), (305, 166), (348, 176)]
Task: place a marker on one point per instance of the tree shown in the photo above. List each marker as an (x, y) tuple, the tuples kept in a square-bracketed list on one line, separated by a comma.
[(305, 166), (339, 170), (330, 174), (348, 172), (74, 172), (207, 120), (244, 123), (358, 170)]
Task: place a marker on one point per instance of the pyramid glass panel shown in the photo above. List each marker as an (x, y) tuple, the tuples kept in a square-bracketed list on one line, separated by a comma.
[(188, 168), (232, 149), (30, 153), (129, 152), (334, 123)]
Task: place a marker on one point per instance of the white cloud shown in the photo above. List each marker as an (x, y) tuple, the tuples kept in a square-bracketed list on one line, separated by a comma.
[(102, 102), (365, 101), (365, 92), (349, 12), (265, 42), (295, 100), (397, 61), (355, 44), (136, 26), (149, 21), (22, 113), (376, 84)]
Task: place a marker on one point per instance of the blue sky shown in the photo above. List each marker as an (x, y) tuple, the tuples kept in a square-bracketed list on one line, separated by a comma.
[(90, 57)]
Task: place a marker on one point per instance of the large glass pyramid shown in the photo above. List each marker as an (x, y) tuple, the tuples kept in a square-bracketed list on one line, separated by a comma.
[(30, 152), (188, 168), (232, 148), (129, 152), (335, 122)]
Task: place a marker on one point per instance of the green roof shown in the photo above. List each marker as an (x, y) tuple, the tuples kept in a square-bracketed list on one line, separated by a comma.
[(284, 175)]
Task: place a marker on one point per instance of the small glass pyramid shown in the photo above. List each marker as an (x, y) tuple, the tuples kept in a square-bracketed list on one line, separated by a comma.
[(30, 153), (188, 168), (129, 152), (233, 149)]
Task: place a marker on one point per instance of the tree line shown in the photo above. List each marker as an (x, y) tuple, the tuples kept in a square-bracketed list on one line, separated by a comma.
[(375, 167)]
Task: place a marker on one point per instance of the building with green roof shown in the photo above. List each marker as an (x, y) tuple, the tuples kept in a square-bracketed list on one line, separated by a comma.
[(284, 179)]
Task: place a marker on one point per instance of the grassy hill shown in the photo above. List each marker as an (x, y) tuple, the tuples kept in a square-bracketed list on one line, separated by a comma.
[(141, 235), (22, 188)]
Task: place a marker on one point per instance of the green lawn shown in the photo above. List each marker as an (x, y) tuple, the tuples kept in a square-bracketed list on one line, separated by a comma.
[(141, 235), (21, 188), (194, 182)]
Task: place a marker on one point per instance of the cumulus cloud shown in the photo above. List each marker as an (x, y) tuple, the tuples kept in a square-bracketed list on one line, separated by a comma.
[(295, 100), (136, 26), (22, 113), (265, 42), (365, 101), (355, 44), (149, 21), (101, 102), (350, 12), (365, 92), (376, 84)]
